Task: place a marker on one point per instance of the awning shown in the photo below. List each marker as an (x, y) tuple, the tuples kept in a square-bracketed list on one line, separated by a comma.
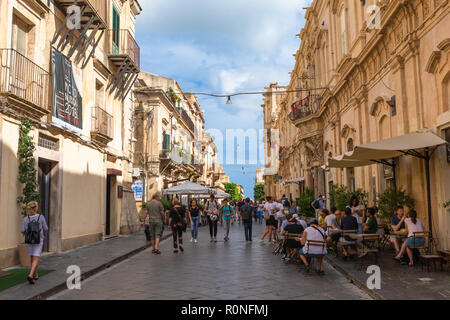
[(374, 152), (189, 188), (219, 195), (419, 144)]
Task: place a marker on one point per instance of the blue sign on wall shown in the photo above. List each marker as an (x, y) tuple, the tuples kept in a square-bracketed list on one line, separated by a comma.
[(138, 188)]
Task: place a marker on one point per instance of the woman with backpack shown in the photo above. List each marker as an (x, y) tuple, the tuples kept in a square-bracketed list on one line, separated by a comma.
[(33, 228), (227, 212), (177, 223)]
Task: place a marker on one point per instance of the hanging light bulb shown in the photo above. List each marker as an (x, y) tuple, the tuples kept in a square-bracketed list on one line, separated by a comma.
[(229, 100)]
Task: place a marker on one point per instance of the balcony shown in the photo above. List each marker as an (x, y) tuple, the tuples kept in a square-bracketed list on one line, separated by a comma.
[(97, 9), (123, 48), (24, 84), (187, 120), (102, 126), (304, 108)]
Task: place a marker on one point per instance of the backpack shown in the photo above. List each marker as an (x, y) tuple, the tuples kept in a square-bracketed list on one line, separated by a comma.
[(33, 232), (316, 204), (286, 203), (247, 212)]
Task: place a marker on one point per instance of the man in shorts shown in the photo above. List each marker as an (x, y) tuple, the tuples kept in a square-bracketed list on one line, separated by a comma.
[(155, 212)]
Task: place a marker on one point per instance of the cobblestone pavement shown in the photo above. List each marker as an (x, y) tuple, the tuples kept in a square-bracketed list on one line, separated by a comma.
[(222, 270)]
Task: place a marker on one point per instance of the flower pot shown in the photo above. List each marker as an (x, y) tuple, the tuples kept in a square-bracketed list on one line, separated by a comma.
[(24, 258)]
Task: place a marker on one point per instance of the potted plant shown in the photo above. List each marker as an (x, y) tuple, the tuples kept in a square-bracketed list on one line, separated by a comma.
[(27, 177), (304, 202), (390, 199)]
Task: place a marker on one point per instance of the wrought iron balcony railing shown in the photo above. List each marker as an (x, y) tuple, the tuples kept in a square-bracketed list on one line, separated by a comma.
[(22, 79), (96, 8), (187, 120), (102, 123), (305, 107), (122, 44)]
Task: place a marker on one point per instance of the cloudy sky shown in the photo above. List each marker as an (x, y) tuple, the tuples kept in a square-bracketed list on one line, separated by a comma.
[(222, 46)]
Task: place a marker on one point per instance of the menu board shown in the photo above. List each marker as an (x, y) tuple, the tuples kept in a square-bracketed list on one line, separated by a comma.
[(67, 101)]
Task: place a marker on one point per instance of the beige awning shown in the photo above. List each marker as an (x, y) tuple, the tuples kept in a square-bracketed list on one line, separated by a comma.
[(370, 153)]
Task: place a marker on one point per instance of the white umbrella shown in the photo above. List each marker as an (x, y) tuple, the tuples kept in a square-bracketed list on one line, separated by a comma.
[(189, 188), (219, 195)]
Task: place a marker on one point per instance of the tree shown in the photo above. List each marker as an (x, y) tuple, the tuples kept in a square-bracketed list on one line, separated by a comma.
[(340, 196), (258, 191), (232, 189), (27, 172), (390, 199)]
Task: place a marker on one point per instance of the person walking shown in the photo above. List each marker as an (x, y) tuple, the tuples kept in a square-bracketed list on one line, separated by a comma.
[(194, 218), (154, 215), (227, 212), (33, 228), (271, 224), (212, 209), (177, 223), (318, 204), (248, 212)]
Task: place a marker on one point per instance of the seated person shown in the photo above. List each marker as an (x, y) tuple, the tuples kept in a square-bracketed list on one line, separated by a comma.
[(322, 215), (413, 224), (348, 222), (371, 224), (315, 233), (397, 223), (291, 228), (286, 221), (333, 226), (300, 221)]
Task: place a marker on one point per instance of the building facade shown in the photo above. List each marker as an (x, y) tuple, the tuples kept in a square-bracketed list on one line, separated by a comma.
[(368, 71), (169, 128), (69, 70)]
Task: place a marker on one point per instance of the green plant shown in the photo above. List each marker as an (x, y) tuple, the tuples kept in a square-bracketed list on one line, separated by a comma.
[(340, 196), (27, 171), (447, 205), (167, 204), (144, 205), (304, 202), (258, 190), (232, 189), (390, 199)]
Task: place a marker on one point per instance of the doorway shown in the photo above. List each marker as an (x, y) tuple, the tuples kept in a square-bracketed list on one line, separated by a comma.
[(44, 181), (108, 205)]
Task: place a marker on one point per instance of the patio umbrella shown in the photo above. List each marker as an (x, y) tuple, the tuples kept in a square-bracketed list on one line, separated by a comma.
[(219, 195), (190, 188)]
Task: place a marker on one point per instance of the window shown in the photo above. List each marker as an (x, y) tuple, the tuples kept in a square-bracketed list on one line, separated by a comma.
[(343, 32), (19, 37), (99, 95), (116, 30), (350, 144)]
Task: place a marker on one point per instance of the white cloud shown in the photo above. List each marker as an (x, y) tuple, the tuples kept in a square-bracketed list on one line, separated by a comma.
[(222, 46)]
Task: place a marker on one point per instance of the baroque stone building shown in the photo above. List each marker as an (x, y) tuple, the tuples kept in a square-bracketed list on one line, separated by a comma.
[(368, 71), (72, 78)]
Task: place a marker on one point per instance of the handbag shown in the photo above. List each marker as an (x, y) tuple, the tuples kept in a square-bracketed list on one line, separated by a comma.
[(147, 233)]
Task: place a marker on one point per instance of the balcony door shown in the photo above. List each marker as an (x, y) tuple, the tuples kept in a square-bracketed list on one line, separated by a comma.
[(116, 31)]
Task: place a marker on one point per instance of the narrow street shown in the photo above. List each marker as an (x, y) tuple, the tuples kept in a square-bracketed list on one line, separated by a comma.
[(233, 270)]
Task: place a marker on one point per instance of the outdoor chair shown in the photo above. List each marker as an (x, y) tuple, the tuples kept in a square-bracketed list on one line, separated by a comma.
[(423, 257), (385, 240), (370, 245), (347, 243), (290, 252), (314, 243)]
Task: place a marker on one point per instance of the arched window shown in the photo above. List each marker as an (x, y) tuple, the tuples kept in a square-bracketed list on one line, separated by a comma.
[(446, 93), (350, 144), (343, 31)]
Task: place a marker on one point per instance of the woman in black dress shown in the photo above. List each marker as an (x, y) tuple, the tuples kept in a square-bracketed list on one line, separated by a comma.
[(177, 223)]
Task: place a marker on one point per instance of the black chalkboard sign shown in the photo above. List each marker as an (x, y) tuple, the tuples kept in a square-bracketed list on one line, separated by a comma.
[(67, 101)]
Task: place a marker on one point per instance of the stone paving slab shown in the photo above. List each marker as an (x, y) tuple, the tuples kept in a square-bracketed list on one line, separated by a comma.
[(400, 282), (88, 258), (213, 271)]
